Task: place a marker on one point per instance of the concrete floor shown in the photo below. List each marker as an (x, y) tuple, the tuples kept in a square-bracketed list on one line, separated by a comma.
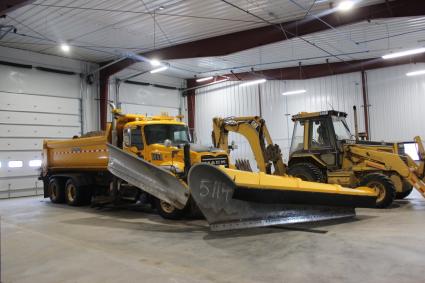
[(44, 242)]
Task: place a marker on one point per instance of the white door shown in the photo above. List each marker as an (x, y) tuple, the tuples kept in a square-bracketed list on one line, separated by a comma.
[(148, 100), (34, 105)]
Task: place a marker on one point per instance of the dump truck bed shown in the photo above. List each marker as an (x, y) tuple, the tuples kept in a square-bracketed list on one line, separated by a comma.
[(83, 154)]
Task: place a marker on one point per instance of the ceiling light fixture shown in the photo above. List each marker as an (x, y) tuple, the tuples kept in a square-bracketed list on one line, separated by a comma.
[(254, 82), (155, 62), (345, 5), (404, 53), (294, 92), (204, 79), (416, 73), (160, 69), (65, 47)]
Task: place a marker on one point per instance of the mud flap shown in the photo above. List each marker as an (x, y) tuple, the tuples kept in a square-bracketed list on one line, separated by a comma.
[(147, 177), (213, 191)]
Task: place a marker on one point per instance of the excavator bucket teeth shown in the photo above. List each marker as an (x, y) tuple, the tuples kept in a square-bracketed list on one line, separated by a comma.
[(148, 177), (213, 191)]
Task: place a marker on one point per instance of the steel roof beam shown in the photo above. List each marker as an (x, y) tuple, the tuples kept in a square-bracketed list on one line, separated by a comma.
[(242, 40), (7, 6)]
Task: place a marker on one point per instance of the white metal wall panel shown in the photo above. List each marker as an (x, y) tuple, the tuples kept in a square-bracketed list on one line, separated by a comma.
[(396, 111), (34, 105), (148, 100), (340, 93), (225, 100)]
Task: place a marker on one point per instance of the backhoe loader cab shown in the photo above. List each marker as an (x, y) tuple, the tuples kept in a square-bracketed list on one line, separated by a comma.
[(324, 150)]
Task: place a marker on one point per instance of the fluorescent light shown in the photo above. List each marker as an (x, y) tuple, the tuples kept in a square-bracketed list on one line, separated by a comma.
[(416, 73), (35, 163), (160, 69), (65, 47), (15, 164), (204, 79), (345, 5), (255, 82), (155, 62), (294, 92), (404, 53)]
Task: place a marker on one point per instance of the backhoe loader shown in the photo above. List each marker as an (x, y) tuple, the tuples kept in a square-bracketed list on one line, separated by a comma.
[(268, 155), (151, 159), (324, 150)]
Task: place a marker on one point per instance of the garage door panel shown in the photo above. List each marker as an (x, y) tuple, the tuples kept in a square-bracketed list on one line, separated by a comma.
[(39, 131), (18, 187), (38, 103), (24, 157), (11, 117), (149, 95), (149, 110), (23, 80), (12, 144)]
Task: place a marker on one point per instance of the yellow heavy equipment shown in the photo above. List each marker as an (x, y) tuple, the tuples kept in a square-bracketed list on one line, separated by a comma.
[(152, 160), (324, 150), (269, 160)]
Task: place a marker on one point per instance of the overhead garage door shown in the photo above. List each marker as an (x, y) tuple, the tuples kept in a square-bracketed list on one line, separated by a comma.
[(35, 105), (148, 100)]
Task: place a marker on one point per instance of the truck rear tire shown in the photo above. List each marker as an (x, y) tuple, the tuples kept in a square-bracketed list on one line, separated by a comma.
[(75, 195), (384, 186), (307, 172), (56, 190), (168, 211)]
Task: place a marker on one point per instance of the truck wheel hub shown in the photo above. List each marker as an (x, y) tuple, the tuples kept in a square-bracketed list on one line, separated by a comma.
[(71, 192), (166, 207), (379, 188)]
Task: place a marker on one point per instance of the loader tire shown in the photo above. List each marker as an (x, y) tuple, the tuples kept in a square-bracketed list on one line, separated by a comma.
[(168, 211), (407, 189), (307, 172), (75, 195), (56, 190), (384, 186)]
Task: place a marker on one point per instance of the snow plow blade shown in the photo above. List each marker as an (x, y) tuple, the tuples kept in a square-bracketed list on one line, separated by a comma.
[(147, 177), (233, 199)]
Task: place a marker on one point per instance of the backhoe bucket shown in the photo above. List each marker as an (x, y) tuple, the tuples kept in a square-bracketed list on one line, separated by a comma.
[(220, 199), (147, 177)]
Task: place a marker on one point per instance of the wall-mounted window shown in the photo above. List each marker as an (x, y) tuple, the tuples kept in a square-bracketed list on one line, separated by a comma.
[(15, 164), (35, 163)]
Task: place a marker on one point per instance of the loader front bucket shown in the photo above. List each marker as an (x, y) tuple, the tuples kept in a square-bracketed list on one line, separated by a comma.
[(147, 177), (215, 192)]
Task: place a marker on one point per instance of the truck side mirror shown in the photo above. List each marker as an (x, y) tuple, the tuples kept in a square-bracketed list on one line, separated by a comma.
[(168, 143)]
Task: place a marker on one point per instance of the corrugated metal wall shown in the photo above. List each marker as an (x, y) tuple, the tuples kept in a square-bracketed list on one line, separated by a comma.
[(228, 99), (396, 103), (224, 100)]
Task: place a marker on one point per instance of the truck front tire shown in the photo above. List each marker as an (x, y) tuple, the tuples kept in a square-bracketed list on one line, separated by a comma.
[(168, 211), (56, 190)]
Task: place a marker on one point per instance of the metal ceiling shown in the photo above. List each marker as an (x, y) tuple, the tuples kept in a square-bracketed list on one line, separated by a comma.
[(101, 30), (359, 41), (106, 29)]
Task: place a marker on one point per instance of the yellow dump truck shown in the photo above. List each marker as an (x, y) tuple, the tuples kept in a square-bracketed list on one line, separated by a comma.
[(151, 159)]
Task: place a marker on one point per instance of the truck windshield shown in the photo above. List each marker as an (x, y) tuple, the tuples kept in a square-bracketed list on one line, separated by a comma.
[(177, 134), (341, 129)]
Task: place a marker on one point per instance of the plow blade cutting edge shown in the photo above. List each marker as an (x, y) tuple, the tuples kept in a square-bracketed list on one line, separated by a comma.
[(147, 177), (225, 208)]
